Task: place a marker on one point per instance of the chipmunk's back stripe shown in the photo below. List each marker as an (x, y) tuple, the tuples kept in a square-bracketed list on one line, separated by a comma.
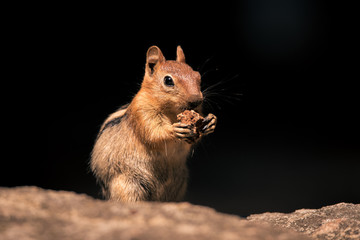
[(114, 121), (111, 123), (124, 106)]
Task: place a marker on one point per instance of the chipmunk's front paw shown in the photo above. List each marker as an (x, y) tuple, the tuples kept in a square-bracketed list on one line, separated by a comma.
[(210, 124), (185, 132)]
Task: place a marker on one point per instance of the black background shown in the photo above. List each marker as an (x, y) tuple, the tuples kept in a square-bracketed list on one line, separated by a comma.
[(287, 103)]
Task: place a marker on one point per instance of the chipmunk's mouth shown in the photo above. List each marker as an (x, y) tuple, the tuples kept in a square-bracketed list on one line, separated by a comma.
[(195, 104), (192, 106)]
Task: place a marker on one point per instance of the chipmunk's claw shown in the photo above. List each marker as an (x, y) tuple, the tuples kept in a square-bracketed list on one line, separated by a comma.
[(210, 123), (185, 132)]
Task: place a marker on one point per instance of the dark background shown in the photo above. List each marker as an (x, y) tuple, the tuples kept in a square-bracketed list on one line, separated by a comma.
[(287, 103)]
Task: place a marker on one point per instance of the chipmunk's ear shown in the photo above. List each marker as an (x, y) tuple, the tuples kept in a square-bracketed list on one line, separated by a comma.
[(154, 56), (180, 56)]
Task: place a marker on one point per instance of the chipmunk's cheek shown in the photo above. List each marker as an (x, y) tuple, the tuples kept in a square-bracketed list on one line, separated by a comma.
[(181, 105)]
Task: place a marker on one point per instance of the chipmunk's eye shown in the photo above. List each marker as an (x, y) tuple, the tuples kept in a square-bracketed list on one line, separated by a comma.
[(168, 81)]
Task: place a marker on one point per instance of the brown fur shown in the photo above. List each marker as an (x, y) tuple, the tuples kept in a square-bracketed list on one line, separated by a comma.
[(138, 156)]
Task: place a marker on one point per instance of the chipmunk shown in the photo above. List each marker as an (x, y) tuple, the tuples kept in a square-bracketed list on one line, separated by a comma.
[(141, 150)]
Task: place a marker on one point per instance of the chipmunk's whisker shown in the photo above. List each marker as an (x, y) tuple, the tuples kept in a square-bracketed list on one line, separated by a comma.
[(209, 103), (209, 71), (222, 82), (204, 64), (217, 92)]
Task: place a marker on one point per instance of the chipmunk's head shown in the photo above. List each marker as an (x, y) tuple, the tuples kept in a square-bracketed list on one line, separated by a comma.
[(174, 84)]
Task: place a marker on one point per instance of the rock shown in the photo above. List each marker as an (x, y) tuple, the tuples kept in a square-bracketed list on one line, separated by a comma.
[(33, 213), (337, 222)]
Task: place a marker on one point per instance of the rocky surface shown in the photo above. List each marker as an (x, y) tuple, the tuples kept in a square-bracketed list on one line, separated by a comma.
[(35, 213), (337, 222)]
